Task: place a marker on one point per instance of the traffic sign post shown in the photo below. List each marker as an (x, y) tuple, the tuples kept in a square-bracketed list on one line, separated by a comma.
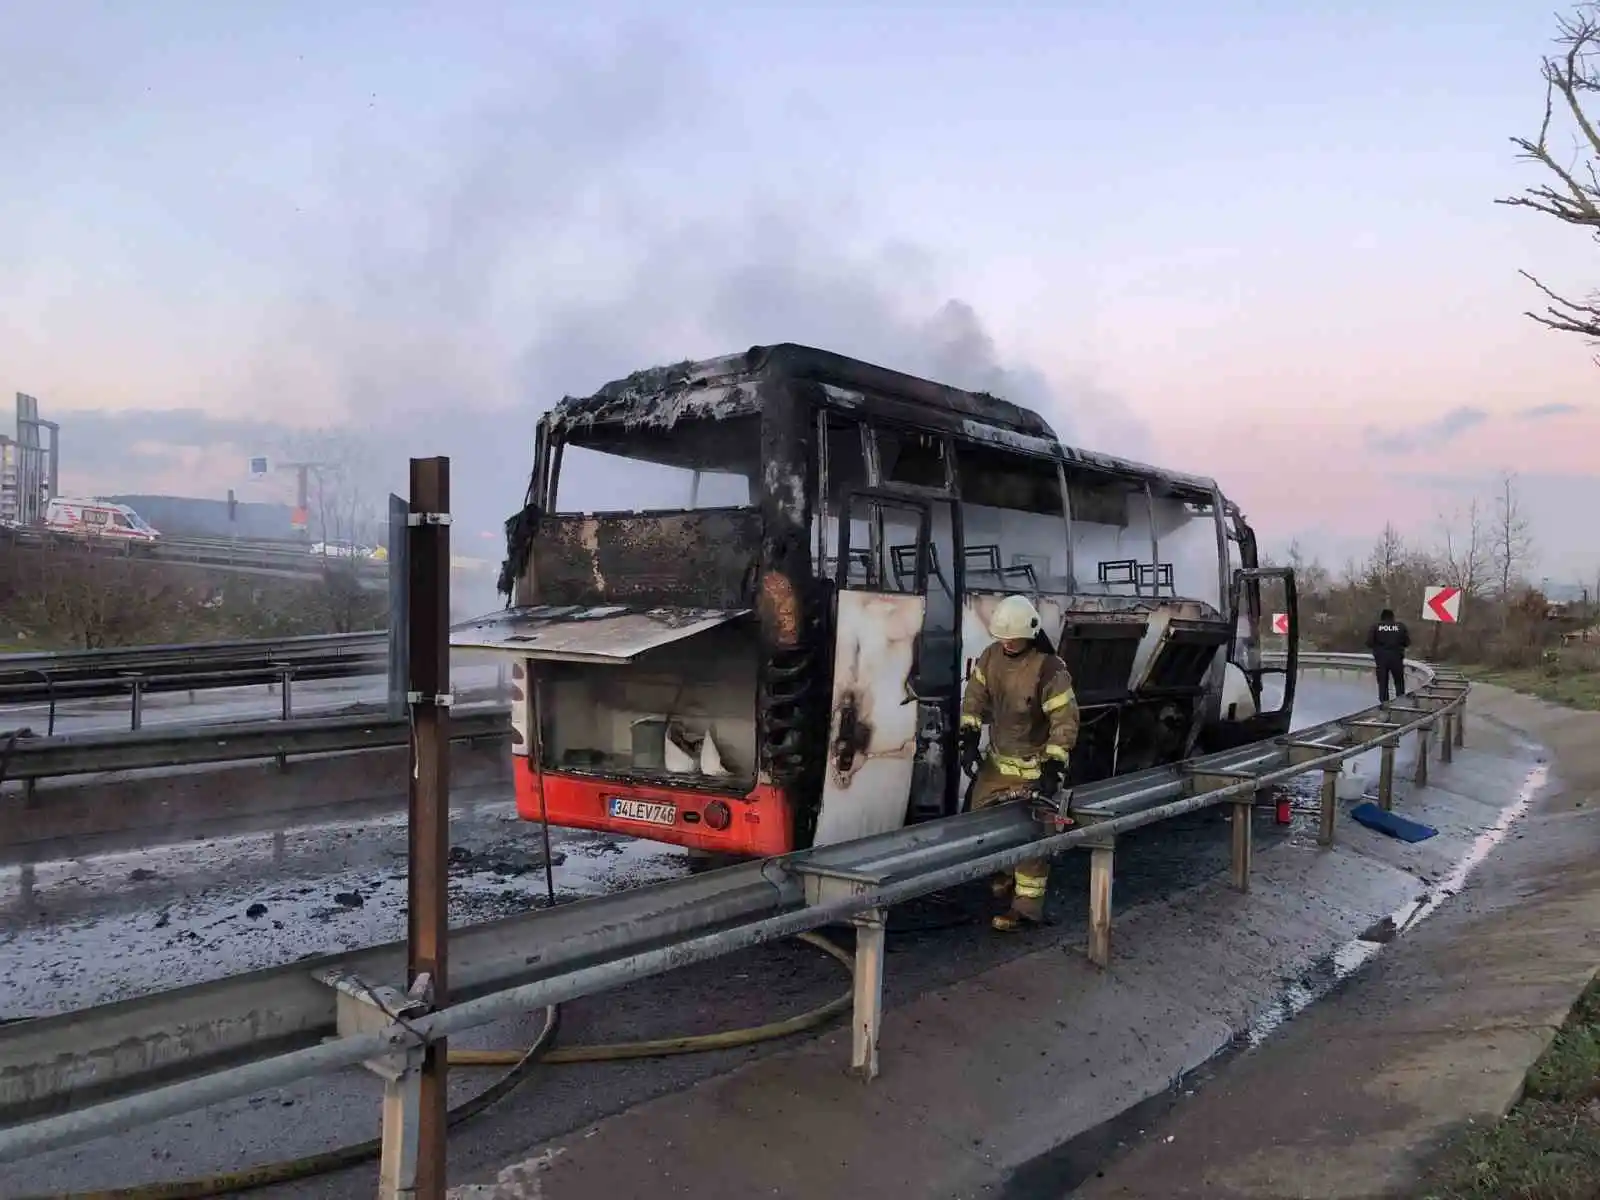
[(1442, 604)]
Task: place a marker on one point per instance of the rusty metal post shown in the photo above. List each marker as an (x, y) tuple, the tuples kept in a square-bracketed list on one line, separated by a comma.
[(1101, 868), (1422, 756), (1243, 815), (428, 695), (1447, 739), (1330, 799), (868, 1012), (1386, 776)]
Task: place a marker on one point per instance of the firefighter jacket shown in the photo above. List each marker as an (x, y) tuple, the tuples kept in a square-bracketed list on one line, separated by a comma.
[(1028, 703)]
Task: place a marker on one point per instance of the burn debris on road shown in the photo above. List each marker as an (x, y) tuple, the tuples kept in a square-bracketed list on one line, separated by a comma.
[(230, 905), (502, 862)]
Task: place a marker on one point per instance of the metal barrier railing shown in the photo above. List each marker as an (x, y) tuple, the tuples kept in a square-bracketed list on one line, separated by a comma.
[(242, 1035)]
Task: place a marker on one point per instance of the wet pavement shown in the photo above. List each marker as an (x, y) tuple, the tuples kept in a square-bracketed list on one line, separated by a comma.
[(995, 1084), (114, 927), (1433, 1037)]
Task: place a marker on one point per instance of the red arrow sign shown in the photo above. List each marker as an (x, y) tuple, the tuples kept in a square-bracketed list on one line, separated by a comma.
[(1443, 604), (1280, 623)]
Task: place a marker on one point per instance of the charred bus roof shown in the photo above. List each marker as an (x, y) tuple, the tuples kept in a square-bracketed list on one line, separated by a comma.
[(731, 386)]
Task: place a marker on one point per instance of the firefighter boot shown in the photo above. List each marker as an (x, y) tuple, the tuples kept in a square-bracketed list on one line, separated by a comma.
[(1027, 904)]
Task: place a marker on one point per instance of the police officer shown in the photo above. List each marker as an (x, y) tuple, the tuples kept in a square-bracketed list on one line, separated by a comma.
[(1387, 640), (1023, 692)]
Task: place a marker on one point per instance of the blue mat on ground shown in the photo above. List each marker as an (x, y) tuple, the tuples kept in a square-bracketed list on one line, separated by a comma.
[(1396, 826)]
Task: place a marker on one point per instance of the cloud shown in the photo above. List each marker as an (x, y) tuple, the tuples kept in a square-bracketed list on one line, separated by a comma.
[(1425, 435), (559, 237), (1540, 412)]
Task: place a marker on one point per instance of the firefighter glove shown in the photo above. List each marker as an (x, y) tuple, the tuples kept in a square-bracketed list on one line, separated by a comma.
[(971, 756), (1051, 777)]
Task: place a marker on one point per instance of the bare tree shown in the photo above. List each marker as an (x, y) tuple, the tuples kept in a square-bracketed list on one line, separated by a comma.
[(1311, 577), (1570, 78), (1464, 553), (1385, 561), (1511, 548), (339, 472)]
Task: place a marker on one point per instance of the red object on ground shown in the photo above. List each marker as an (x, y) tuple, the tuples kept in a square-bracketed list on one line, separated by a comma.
[(759, 825), (1284, 814)]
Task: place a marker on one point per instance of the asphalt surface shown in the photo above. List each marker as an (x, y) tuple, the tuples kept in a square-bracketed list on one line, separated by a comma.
[(1436, 1035), (119, 926)]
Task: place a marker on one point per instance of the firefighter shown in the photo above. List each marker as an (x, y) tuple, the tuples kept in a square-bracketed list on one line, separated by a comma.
[(1388, 639), (1024, 693)]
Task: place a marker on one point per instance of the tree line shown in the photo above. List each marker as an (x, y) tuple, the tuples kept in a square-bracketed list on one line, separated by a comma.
[(1486, 549)]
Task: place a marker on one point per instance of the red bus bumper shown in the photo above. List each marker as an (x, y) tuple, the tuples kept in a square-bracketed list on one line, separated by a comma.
[(757, 825)]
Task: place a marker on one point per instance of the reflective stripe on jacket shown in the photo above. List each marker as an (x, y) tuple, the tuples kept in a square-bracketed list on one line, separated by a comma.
[(1029, 705)]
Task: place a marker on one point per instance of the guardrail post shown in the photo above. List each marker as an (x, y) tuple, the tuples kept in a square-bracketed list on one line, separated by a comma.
[(1386, 776), (1102, 857), (428, 810), (364, 1008), (1461, 722), (1447, 739), (1330, 798), (1243, 841), (287, 680), (136, 708), (868, 1011), (1422, 756)]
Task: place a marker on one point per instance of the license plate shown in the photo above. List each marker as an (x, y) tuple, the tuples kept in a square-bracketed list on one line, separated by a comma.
[(644, 810)]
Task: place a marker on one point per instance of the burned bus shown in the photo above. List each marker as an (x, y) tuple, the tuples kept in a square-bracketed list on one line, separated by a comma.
[(771, 654)]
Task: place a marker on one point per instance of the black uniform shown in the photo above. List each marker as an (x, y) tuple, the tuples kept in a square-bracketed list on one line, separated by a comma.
[(1388, 639)]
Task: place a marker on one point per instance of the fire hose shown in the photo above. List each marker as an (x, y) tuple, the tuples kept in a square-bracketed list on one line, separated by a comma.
[(521, 1064)]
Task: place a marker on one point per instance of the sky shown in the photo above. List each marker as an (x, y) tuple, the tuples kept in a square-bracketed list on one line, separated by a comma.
[(1255, 241)]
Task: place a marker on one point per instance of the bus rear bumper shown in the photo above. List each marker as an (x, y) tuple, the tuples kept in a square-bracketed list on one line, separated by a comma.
[(756, 825)]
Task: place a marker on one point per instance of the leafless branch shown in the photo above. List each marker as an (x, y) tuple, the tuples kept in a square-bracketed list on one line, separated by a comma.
[(1575, 196)]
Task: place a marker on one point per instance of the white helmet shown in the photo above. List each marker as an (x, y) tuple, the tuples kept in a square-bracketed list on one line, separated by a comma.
[(1014, 617)]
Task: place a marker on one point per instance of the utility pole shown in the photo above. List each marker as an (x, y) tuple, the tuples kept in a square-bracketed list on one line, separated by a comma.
[(427, 562), (301, 495)]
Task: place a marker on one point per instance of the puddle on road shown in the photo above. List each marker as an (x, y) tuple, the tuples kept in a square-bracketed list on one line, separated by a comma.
[(1333, 969)]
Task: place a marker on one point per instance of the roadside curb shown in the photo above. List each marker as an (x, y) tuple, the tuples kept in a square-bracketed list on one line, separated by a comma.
[(1437, 1037)]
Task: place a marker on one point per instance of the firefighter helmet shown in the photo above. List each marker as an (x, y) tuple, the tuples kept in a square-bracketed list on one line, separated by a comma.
[(1015, 617)]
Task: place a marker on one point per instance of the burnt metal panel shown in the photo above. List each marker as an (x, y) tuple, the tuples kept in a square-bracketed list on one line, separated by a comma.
[(1100, 656), (703, 559), (1185, 657), (568, 633)]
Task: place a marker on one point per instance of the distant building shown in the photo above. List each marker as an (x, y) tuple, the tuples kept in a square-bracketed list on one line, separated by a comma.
[(8, 480), (185, 516)]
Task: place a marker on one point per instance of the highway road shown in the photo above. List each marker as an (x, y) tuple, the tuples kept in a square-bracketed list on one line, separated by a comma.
[(218, 705), (88, 932)]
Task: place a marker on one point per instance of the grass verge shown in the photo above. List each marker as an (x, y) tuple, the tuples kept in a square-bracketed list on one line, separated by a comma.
[(1572, 689), (1548, 1146)]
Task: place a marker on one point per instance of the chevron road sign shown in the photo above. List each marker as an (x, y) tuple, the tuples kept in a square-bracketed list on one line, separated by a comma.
[(1442, 604)]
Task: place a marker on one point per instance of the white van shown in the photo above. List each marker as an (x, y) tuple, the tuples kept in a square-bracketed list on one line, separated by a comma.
[(98, 519)]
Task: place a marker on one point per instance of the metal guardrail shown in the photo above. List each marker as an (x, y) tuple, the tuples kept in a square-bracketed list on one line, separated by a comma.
[(296, 560), (173, 1052), (94, 753), (283, 558), (140, 671), (74, 664)]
